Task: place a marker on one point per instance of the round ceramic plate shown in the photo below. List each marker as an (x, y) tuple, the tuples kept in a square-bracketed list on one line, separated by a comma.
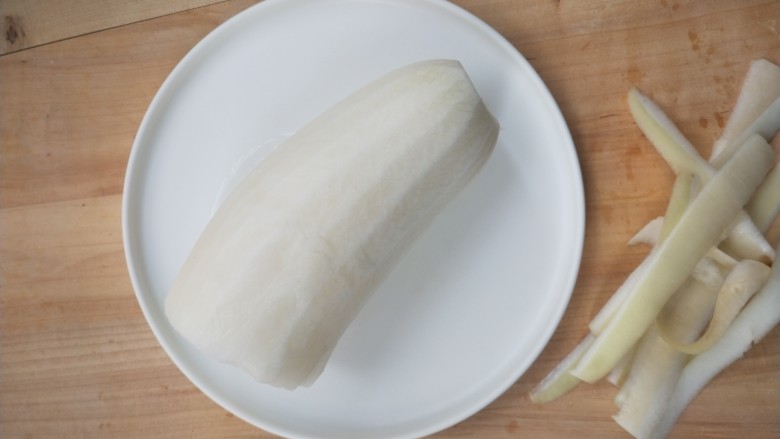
[(467, 310)]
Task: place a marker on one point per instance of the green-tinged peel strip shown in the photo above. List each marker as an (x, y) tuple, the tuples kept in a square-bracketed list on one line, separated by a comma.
[(700, 228)]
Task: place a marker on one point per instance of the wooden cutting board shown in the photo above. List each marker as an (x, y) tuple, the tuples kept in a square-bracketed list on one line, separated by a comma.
[(77, 358)]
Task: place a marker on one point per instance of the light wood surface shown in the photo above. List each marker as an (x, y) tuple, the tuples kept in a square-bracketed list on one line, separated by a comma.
[(30, 23), (77, 358)]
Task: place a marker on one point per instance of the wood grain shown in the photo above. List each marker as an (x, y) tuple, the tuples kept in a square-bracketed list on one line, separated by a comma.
[(30, 23), (77, 358)]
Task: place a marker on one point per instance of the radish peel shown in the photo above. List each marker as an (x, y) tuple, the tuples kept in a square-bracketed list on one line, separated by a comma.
[(700, 227), (744, 240), (759, 88), (760, 315), (764, 207), (744, 280), (559, 382), (703, 295)]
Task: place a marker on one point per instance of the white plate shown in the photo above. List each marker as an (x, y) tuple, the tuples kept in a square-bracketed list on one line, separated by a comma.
[(466, 312)]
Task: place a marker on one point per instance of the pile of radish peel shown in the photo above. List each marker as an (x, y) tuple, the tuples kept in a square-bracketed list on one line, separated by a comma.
[(707, 289)]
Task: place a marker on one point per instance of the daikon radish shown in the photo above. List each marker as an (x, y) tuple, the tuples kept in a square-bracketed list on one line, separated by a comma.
[(701, 227), (288, 260)]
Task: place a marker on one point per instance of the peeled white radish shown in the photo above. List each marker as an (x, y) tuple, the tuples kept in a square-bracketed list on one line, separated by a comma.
[(288, 260)]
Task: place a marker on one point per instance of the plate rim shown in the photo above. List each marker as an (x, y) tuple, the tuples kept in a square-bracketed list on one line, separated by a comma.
[(140, 147)]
